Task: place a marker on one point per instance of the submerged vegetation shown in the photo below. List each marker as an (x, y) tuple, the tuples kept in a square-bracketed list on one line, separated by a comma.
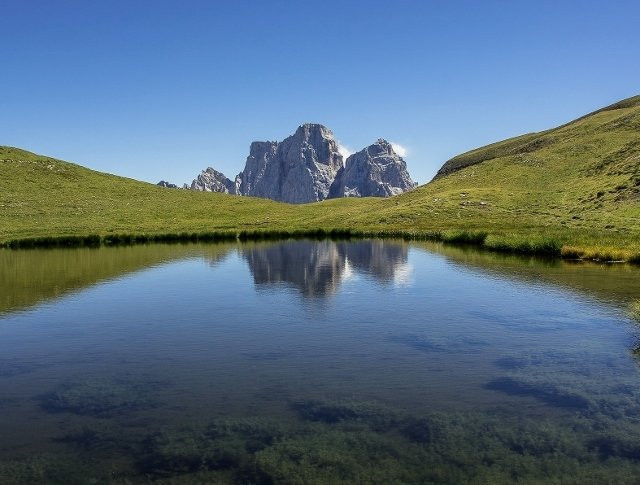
[(98, 397), (589, 433), (350, 441)]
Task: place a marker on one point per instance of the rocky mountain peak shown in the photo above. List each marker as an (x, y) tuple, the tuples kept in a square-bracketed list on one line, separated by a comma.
[(308, 166), (313, 131), (298, 169), (375, 171), (210, 180), (382, 146)]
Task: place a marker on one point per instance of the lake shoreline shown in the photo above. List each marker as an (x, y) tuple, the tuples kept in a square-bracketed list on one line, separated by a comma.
[(548, 247)]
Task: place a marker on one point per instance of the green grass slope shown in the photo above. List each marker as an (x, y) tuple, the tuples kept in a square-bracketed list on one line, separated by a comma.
[(575, 186), (41, 196), (578, 183)]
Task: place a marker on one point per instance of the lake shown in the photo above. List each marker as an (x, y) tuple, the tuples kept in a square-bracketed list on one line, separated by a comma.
[(373, 361)]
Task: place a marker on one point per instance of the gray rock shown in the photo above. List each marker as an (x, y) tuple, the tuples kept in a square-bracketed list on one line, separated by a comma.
[(308, 167), (258, 168), (299, 169), (167, 185), (211, 180), (376, 171)]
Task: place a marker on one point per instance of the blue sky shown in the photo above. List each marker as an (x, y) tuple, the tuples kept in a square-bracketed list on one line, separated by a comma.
[(162, 89)]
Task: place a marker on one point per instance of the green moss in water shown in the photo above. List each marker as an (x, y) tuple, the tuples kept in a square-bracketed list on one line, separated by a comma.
[(49, 469), (98, 398), (356, 442), (332, 412), (546, 393)]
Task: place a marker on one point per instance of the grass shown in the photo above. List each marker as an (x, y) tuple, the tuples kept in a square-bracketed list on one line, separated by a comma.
[(573, 191)]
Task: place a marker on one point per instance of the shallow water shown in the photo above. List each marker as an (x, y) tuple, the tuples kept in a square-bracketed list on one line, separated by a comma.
[(315, 362)]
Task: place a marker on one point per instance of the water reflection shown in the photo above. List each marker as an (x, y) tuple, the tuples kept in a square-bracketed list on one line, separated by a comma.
[(316, 269), (384, 260), (31, 277)]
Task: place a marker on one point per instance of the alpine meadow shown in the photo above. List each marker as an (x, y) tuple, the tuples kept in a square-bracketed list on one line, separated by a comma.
[(573, 191)]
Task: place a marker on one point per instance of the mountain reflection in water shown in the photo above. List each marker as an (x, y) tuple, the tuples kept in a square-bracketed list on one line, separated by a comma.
[(316, 269)]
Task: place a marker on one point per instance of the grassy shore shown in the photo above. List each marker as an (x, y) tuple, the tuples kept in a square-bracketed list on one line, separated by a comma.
[(573, 192)]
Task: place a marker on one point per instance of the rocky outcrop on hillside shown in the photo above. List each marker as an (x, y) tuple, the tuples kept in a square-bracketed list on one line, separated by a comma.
[(376, 171), (167, 185), (298, 169), (308, 167), (211, 180)]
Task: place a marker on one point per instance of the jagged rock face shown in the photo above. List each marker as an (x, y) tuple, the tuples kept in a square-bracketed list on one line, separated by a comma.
[(251, 181), (211, 180), (299, 169), (167, 185), (308, 167), (376, 171)]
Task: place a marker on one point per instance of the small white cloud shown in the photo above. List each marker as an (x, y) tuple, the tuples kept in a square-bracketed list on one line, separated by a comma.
[(399, 149), (344, 151)]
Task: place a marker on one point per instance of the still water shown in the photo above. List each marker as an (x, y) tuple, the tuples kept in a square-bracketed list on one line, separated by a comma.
[(316, 362)]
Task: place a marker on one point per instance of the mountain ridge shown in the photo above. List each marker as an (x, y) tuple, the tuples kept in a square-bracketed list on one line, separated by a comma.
[(305, 166)]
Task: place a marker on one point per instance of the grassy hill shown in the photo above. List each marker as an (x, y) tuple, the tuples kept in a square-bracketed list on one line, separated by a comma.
[(575, 186)]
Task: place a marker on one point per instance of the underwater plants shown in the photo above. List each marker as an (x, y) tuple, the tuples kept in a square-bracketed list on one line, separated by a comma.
[(96, 397), (350, 441)]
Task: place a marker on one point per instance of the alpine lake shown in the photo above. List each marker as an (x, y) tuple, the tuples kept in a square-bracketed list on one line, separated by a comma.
[(362, 361)]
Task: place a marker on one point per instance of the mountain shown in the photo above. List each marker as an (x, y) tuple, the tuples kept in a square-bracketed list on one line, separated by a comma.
[(375, 171), (306, 166), (298, 169), (211, 180)]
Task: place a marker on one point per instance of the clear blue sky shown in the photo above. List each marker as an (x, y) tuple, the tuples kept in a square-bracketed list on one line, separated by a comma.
[(162, 89)]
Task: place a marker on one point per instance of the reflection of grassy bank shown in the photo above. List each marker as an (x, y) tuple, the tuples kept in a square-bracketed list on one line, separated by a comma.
[(29, 277), (607, 282)]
